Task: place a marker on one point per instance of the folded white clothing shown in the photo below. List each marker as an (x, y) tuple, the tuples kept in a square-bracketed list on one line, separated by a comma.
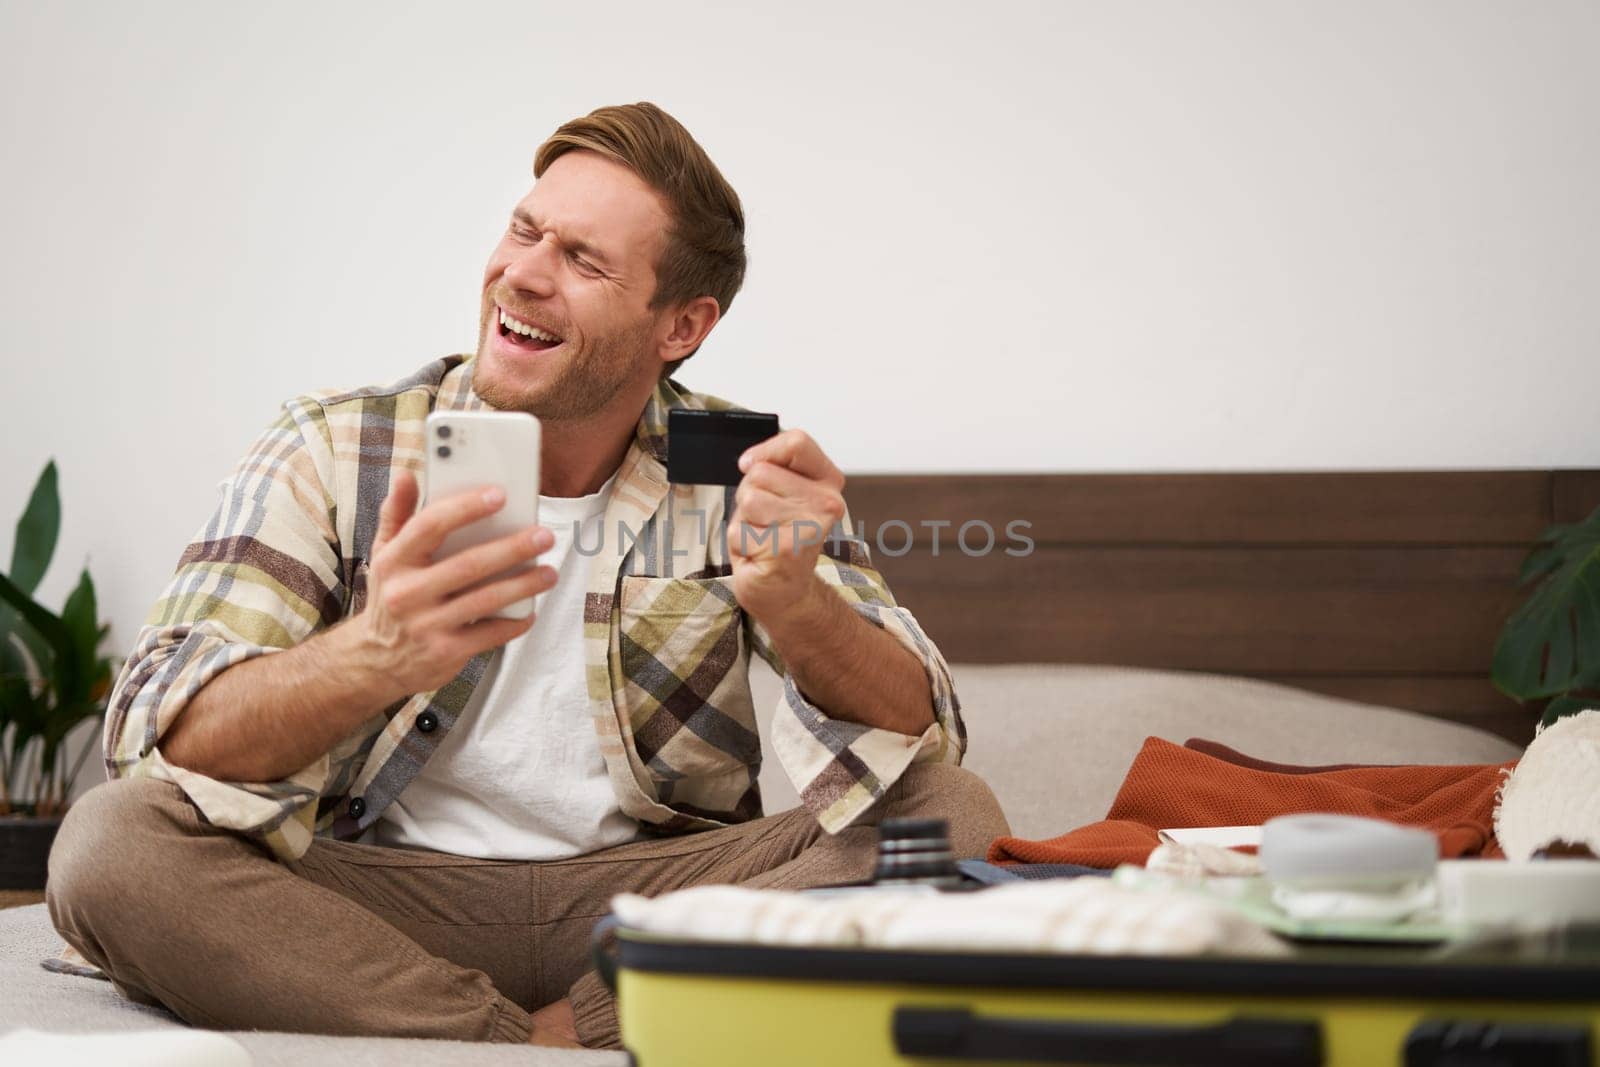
[(1200, 859), (1083, 915)]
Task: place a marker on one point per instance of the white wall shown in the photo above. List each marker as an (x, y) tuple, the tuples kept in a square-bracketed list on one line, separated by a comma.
[(1000, 236)]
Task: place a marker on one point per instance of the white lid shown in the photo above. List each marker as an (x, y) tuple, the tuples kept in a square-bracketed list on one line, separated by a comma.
[(1344, 850)]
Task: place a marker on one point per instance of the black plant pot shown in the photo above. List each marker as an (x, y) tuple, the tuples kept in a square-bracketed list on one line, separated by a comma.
[(24, 849)]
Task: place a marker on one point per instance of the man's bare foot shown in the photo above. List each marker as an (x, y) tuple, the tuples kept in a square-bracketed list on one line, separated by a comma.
[(553, 1026)]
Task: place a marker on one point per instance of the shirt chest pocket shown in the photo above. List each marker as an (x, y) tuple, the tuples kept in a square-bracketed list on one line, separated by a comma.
[(685, 662)]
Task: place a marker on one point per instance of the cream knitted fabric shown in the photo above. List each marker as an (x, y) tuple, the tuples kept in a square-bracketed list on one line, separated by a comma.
[(1554, 794), (1080, 915)]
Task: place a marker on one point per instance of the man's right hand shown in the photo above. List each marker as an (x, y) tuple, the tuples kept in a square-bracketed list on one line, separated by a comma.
[(420, 625)]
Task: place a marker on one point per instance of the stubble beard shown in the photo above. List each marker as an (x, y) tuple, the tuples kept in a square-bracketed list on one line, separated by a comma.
[(593, 374)]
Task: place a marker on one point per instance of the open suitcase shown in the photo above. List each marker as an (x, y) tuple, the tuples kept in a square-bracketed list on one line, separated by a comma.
[(1534, 1002)]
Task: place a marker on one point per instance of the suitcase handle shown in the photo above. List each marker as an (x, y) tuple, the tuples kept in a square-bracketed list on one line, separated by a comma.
[(601, 942), (958, 1034)]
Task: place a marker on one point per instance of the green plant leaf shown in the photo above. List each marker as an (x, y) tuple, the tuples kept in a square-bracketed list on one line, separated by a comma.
[(1551, 644), (1567, 704), (36, 532), (1544, 557), (64, 669), (25, 652), (91, 745), (26, 713), (1586, 623), (52, 677), (101, 679), (65, 719), (15, 696), (12, 663), (78, 616)]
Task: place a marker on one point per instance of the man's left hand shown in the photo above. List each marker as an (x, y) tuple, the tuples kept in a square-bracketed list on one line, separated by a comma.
[(785, 507)]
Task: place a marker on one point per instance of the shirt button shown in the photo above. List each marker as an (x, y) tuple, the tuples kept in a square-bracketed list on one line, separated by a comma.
[(427, 722), (358, 807)]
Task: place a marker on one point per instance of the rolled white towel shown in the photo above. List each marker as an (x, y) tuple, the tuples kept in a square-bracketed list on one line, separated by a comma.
[(1554, 793)]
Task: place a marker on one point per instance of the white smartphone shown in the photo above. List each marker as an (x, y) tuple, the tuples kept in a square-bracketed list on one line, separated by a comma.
[(477, 449)]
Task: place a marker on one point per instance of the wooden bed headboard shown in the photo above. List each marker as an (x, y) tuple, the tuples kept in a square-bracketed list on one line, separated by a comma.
[(1383, 587)]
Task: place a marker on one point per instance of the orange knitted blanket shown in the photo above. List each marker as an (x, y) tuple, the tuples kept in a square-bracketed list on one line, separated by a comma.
[(1171, 786)]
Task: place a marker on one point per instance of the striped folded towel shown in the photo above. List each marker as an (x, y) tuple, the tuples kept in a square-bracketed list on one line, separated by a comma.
[(1084, 915)]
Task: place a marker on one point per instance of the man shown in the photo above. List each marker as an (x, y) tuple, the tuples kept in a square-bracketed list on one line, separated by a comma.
[(348, 799)]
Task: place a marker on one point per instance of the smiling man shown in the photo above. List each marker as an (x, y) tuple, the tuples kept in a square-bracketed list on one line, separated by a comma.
[(347, 800)]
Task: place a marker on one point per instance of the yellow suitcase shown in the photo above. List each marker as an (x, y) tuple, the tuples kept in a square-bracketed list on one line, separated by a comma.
[(1530, 1003)]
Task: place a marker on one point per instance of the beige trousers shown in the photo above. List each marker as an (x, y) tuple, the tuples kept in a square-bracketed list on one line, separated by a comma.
[(386, 942)]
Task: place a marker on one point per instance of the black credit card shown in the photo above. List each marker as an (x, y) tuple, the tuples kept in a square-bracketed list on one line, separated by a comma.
[(703, 447)]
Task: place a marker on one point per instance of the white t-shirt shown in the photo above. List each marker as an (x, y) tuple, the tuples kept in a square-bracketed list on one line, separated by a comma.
[(520, 775)]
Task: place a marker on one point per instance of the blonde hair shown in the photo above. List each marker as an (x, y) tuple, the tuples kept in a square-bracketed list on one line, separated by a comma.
[(705, 253)]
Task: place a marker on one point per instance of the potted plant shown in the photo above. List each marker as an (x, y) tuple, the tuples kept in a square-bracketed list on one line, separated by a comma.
[(1550, 647), (52, 677)]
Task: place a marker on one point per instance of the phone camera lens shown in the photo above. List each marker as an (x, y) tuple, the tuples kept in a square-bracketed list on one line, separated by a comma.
[(443, 451), (443, 431)]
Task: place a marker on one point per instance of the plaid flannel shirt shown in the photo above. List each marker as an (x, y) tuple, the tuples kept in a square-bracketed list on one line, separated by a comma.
[(666, 645)]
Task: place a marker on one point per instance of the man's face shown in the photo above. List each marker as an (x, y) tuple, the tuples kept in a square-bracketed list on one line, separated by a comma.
[(577, 265)]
